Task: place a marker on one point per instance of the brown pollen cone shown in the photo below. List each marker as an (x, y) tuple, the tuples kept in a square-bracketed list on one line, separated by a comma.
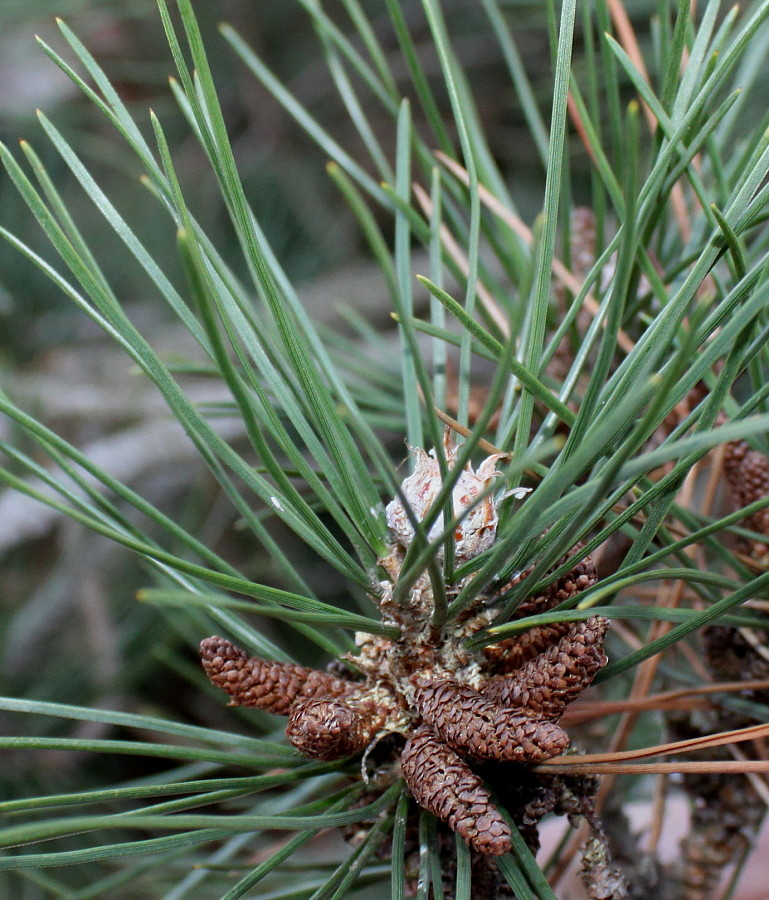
[(579, 578), (546, 685), (443, 784), (331, 729), (510, 654), (268, 685), (481, 728), (747, 474)]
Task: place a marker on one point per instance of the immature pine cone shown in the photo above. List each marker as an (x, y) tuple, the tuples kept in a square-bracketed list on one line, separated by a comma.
[(443, 784), (603, 880), (579, 578)]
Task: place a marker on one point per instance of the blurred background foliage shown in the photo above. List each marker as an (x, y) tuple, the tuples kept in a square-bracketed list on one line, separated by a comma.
[(285, 177)]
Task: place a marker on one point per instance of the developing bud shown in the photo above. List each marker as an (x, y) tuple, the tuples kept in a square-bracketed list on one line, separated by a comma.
[(476, 531), (747, 474), (330, 729), (510, 654)]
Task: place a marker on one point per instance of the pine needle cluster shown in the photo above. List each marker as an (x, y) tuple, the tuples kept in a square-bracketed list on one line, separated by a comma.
[(579, 392)]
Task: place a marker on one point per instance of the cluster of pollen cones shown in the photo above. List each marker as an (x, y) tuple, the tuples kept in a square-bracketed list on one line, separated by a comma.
[(453, 710), (510, 717)]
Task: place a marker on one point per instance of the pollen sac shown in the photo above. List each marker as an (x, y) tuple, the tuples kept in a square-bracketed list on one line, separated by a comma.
[(511, 654), (477, 529), (579, 578), (456, 710), (443, 784)]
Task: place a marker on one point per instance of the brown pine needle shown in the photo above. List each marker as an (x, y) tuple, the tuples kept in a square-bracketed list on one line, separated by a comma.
[(683, 767), (659, 806), (579, 125), (484, 445), (752, 732), (681, 698), (629, 41), (453, 249), (519, 227), (588, 712), (661, 700), (759, 784)]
